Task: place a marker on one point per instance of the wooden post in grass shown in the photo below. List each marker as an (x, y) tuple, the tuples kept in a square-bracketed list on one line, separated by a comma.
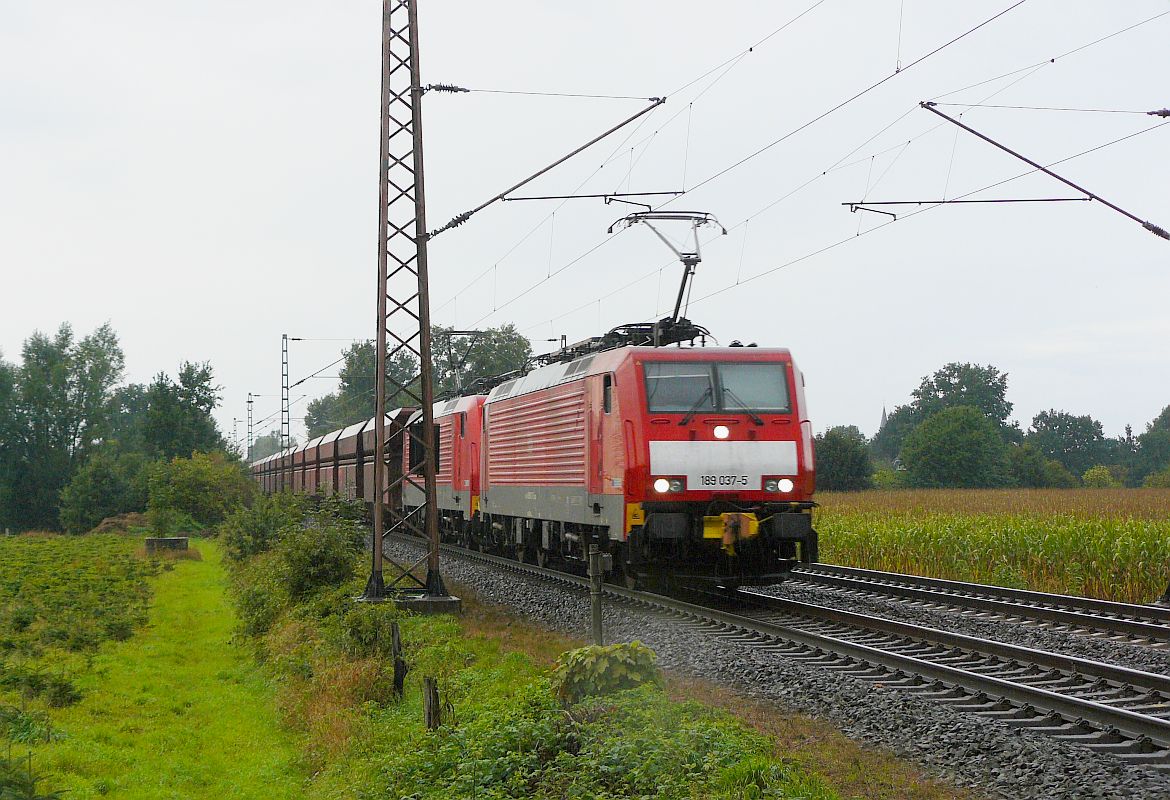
[(399, 662), (432, 713)]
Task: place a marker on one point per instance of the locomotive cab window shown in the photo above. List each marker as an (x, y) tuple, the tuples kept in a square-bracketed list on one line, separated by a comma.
[(685, 387), (679, 387), (756, 387), (607, 394)]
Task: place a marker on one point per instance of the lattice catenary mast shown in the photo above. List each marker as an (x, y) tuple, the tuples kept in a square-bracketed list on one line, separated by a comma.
[(403, 321)]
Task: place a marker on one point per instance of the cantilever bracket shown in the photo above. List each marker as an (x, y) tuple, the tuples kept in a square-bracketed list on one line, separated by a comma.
[(855, 207)]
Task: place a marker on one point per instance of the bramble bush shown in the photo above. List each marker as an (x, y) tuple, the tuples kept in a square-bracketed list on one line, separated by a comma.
[(520, 742), (321, 555)]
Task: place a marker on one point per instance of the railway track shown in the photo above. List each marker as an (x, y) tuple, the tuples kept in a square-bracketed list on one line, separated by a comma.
[(1110, 709), (1130, 623)]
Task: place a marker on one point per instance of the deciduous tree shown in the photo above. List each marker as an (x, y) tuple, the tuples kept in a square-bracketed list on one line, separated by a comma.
[(956, 384), (269, 443), (1077, 442), (457, 360), (842, 460), (983, 388), (1154, 446), (461, 359), (58, 416), (354, 399), (178, 419), (1099, 477), (959, 447)]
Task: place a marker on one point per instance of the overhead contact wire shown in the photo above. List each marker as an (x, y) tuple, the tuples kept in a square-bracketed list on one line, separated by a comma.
[(856, 96), (1030, 69)]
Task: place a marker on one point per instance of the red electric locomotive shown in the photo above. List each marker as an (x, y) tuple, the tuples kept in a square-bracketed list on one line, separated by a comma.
[(686, 462)]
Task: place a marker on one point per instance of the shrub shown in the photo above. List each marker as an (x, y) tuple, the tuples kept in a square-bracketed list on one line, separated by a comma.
[(106, 485), (164, 521), (1158, 480), (888, 478), (24, 726), (364, 628), (1057, 476), (596, 670), (316, 557), (248, 531), (1099, 477), (259, 595), (57, 690), (206, 486), (1027, 466)]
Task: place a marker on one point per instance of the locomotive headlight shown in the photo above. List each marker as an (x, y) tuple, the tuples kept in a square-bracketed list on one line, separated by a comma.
[(770, 485), (662, 486), (721, 431), (784, 485), (677, 484)]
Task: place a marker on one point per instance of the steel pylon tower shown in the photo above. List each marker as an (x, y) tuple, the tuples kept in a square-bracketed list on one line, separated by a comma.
[(403, 320), (249, 427), (284, 418)]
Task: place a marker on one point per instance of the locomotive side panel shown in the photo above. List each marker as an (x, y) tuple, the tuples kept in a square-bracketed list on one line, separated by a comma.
[(535, 455)]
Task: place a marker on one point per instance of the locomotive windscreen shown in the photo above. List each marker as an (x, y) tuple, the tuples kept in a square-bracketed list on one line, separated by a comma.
[(683, 387)]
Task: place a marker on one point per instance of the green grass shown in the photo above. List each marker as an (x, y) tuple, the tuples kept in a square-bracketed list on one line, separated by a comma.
[(506, 732), (177, 711), (507, 736)]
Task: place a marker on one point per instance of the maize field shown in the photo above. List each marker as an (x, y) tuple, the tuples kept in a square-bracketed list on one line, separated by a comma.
[(1112, 544)]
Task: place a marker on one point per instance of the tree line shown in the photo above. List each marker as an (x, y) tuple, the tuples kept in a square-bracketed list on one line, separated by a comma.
[(75, 446), (955, 433), (458, 360)]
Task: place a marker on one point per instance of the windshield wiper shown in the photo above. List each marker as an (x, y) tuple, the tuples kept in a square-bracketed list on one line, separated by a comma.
[(756, 419), (695, 408)]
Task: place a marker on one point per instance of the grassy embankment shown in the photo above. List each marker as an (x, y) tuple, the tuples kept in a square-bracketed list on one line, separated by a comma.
[(119, 674), (1107, 543), (170, 710), (507, 731)]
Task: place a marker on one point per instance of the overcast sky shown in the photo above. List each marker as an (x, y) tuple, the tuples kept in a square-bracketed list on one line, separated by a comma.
[(203, 175)]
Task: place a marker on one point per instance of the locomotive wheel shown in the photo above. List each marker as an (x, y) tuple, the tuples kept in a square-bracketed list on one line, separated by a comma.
[(520, 553), (541, 557)]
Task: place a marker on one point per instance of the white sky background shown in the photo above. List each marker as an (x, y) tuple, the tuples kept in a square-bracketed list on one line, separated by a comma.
[(204, 176)]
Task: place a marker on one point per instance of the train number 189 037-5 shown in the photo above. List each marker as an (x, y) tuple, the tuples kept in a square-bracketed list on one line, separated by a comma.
[(723, 480)]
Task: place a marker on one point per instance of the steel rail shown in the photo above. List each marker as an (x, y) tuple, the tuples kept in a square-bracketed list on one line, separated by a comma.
[(1132, 618), (1151, 733), (1044, 658)]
